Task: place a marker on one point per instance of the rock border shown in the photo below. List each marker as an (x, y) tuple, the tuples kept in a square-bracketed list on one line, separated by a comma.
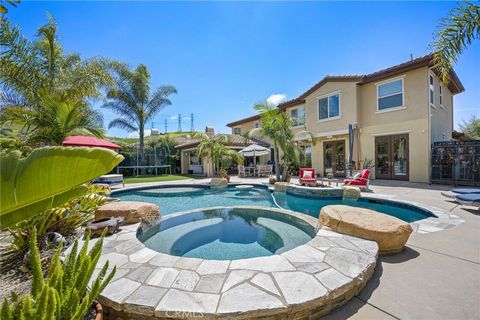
[(309, 280)]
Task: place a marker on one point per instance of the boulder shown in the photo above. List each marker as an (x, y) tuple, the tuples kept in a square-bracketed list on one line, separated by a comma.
[(280, 186), (218, 182), (351, 193), (388, 232), (131, 211)]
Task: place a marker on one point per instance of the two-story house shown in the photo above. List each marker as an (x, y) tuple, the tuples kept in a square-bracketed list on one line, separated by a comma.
[(396, 114)]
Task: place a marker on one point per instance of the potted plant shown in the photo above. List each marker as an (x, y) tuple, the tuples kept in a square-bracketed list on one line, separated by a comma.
[(222, 173), (272, 180)]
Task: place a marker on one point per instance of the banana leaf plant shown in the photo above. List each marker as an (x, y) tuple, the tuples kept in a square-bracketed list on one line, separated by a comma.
[(47, 178)]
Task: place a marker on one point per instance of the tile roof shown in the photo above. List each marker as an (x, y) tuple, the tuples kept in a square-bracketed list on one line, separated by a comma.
[(233, 140), (454, 85)]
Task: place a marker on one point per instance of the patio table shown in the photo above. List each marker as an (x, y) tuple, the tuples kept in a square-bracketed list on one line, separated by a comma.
[(250, 171)]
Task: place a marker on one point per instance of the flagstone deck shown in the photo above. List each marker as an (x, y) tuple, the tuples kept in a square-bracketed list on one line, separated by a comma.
[(309, 280)]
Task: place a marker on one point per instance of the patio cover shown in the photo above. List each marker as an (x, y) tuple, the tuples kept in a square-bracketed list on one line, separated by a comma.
[(89, 141)]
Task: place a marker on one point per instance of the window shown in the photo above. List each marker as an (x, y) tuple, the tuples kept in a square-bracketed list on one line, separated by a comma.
[(257, 124), (431, 91), (390, 95), (237, 130), (441, 95), (329, 107), (298, 116)]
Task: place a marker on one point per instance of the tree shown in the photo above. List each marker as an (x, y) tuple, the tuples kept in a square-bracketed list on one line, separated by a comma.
[(52, 120), (276, 126), (31, 69), (132, 100), (214, 149), (453, 35), (471, 127)]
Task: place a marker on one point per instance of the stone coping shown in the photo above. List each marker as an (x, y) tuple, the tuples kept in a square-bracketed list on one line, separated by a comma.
[(440, 219), (314, 192), (309, 280)]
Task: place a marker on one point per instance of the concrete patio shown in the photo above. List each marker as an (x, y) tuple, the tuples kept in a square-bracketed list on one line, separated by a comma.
[(436, 277)]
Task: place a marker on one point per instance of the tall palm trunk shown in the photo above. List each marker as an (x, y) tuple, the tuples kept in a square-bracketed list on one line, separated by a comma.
[(277, 162)]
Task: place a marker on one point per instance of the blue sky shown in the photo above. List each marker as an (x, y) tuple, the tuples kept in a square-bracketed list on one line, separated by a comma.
[(225, 56)]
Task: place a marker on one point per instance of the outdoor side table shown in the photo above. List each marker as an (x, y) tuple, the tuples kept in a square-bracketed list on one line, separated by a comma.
[(330, 181)]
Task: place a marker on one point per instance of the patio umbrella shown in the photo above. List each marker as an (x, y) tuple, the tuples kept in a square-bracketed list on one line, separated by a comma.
[(89, 141), (254, 150)]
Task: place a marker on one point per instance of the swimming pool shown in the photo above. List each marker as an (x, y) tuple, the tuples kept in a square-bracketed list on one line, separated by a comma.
[(173, 199), (227, 233)]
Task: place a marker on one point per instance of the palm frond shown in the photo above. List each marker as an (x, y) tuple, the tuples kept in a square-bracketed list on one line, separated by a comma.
[(122, 124), (12, 99), (159, 101), (454, 33)]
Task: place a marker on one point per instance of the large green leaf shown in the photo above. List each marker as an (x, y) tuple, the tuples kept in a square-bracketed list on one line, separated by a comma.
[(47, 178)]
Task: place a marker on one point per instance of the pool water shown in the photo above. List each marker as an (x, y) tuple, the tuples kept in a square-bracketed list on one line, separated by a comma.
[(171, 200), (177, 199), (227, 234)]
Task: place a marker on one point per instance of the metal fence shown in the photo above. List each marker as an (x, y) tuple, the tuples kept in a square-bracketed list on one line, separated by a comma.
[(156, 161), (456, 163)]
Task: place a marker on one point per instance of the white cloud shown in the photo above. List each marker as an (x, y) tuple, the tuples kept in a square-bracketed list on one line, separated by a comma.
[(276, 99)]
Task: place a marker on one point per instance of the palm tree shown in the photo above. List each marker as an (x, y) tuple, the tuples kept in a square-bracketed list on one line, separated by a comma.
[(53, 120), (132, 100), (453, 35), (276, 126), (214, 149), (29, 69)]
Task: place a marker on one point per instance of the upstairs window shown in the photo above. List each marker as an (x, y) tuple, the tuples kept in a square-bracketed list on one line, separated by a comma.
[(390, 95), (298, 116), (237, 130), (441, 95), (257, 124), (329, 107), (431, 91)]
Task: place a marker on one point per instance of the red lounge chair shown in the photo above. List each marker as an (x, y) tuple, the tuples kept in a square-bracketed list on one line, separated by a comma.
[(307, 176), (359, 180)]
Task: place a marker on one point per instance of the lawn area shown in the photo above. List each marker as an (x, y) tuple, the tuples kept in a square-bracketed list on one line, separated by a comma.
[(170, 177)]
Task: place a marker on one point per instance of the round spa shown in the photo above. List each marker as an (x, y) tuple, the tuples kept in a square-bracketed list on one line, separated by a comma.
[(227, 233)]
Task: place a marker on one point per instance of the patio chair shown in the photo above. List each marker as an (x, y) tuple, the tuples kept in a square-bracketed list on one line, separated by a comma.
[(359, 180), (263, 170), (307, 176), (456, 192), (269, 169), (241, 171), (472, 199)]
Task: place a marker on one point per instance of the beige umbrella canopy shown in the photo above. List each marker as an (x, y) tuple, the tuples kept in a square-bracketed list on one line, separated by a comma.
[(254, 150)]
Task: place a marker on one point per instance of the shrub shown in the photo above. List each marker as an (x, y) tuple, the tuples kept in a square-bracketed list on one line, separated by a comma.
[(62, 293), (65, 220)]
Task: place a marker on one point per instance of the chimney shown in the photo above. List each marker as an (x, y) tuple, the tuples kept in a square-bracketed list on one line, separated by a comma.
[(209, 131)]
